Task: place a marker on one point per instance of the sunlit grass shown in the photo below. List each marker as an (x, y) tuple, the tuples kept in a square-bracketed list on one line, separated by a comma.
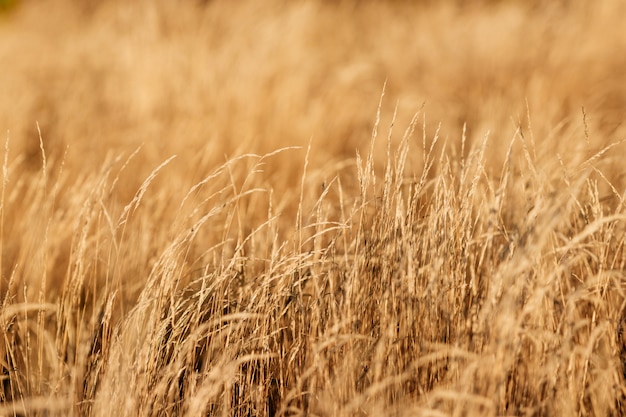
[(188, 228)]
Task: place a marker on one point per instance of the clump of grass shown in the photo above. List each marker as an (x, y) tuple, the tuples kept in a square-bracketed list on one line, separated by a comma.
[(458, 289), (443, 270)]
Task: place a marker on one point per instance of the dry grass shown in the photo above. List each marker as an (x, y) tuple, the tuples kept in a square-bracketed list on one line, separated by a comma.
[(209, 208)]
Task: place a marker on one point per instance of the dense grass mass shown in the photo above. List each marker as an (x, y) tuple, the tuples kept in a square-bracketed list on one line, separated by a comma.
[(312, 208)]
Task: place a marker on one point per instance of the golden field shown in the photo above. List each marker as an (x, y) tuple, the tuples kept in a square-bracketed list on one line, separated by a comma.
[(312, 208)]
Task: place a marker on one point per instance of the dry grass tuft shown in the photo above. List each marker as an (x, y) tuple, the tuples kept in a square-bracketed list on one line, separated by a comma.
[(204, 212)]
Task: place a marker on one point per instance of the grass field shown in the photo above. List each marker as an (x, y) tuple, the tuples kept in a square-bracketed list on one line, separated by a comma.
[(312, 208)]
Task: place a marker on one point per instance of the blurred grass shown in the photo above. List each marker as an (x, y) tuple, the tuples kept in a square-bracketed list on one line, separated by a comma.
[(7, 5)]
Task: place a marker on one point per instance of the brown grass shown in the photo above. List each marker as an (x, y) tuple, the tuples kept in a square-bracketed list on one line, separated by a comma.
[(312, 208)]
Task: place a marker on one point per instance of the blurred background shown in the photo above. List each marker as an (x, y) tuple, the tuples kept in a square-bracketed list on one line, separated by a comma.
[(211, 79)]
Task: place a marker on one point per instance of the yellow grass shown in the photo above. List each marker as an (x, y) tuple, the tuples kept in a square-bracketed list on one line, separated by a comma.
[(312, 208)]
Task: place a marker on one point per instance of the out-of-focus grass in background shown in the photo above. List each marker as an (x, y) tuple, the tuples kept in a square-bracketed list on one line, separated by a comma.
[(220, 77), (468, 261)]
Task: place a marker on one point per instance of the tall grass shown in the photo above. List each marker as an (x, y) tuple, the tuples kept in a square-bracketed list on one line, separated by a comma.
[(453, 291), (417, 268)]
